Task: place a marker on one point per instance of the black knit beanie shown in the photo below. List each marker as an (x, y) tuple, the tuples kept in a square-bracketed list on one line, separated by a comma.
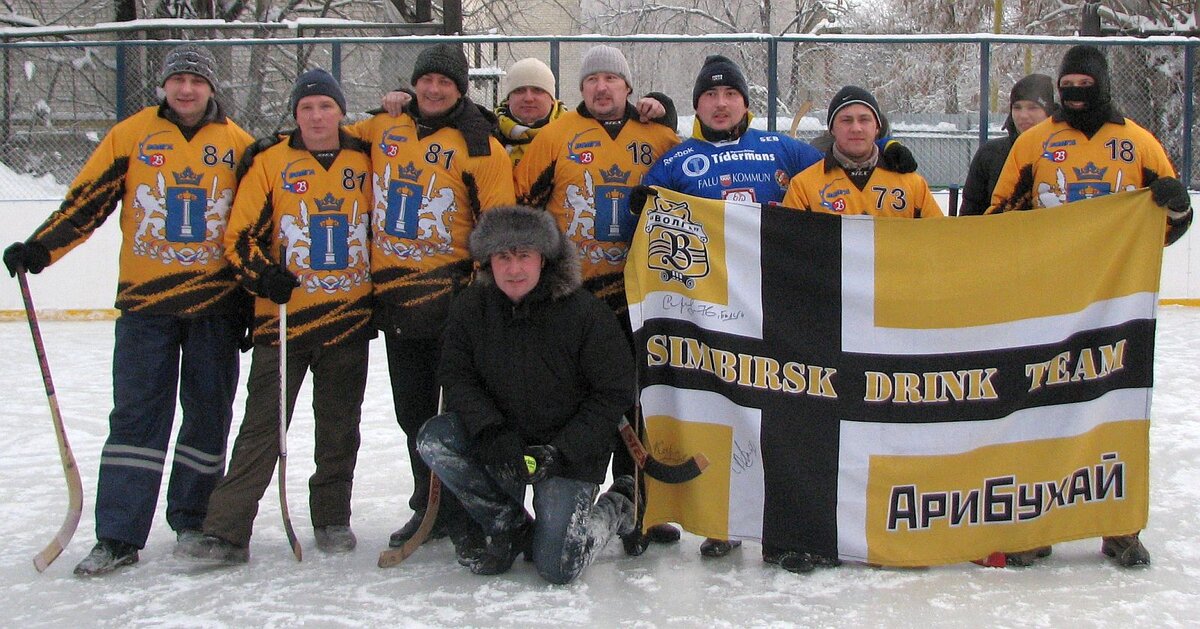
[(447, 60), (1036, 88), (852, 95), (719, 70), (317, 82)]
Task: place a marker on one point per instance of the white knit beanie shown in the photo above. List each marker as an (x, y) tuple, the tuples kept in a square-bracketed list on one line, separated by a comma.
[(529, 72), (604, 59)]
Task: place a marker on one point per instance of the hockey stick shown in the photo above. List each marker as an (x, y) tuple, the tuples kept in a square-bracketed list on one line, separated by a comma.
[(283, 395), (800, 113), (393, 556), (659, 471), (42, 560)]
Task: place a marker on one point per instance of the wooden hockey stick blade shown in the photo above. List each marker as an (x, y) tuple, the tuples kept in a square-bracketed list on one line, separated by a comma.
[(659, 471), (293, 541), (800, 113), (394, 556), (43, 559)]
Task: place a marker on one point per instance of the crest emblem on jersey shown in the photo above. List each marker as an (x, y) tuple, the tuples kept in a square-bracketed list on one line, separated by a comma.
[(678, 245), (1089, 183), (186, 206), (401, 218), (614, 222), (150, 154), (330, 232)]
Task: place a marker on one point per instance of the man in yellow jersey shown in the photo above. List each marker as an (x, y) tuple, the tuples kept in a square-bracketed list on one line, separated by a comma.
[(851, 179), (582, 168), (435, 167), (306, 193), (1085, 150), (171, 169)]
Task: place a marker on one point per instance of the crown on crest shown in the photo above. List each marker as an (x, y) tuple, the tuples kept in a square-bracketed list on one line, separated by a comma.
[(329, 204), (615, 175), (410, 172), (188, 177), (1090, 172)]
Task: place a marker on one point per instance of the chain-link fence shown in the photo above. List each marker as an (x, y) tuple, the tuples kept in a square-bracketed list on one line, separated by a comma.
[(61, 97)]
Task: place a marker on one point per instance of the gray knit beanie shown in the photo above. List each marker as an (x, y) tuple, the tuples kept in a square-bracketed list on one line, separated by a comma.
[(191, 59), (447, 60), (604, 59)]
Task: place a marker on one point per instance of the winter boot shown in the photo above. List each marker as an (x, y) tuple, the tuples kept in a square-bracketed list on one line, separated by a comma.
[(335, 538), (469, 542), (713, 547), (663, 534), (185, 538), (502, 549), (1028, 557), (211, 549), (1127, 550), (107, 555), (410, 528), (623, 486)]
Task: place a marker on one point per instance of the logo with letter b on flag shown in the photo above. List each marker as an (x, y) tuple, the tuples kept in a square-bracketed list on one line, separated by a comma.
[(678, 246)]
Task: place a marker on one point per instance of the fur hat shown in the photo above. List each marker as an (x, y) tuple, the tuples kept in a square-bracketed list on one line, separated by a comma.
[(447, 60), (1036, 88), (604, 59), (1087, 59), (852, 95), (191, 59), (317, 82), (529, 72), (517, 226), (719, 70)]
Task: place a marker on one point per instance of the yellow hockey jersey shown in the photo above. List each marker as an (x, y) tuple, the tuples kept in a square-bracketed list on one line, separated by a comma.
[(584, 178), (428, 193), (320, 218), (174, 195), (1053, 163), (826, 187)]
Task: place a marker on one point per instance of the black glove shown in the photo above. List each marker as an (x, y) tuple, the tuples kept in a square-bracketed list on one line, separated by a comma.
[(31, 256), (637, 198), (276, 283), (548, 460), (1171, 194), (897, 158), (498, 446)]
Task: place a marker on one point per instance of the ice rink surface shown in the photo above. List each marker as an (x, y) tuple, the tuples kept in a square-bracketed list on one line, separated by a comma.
[(669, 586)]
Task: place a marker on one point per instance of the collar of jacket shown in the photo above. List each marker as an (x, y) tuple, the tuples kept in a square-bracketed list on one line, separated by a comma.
[(475, 123), (832, 161)]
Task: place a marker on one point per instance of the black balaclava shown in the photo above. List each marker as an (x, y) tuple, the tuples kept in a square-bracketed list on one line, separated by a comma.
[(1085, 59)]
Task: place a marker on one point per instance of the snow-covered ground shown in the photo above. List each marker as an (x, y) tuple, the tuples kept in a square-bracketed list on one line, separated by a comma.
[(670, 586)]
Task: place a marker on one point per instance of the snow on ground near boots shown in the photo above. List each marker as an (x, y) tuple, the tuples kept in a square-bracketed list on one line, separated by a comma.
[(670, 586)]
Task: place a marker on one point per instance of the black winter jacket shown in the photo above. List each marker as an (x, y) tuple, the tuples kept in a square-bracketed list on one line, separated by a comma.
[(555, 368), (984, 172)]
